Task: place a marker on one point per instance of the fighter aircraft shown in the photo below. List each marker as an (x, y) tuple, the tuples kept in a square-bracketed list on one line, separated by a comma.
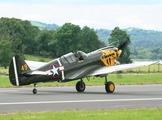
[(71, 66)]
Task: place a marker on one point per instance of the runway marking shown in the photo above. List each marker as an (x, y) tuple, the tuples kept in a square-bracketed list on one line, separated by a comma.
[(79, 101)]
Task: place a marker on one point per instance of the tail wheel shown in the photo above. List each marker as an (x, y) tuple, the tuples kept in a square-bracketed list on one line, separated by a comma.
[(34, 91), (80, 86), (110, 87)]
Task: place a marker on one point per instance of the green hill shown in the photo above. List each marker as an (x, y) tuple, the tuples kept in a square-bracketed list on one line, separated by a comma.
[(41, 25), (145, 44), (139, 37)]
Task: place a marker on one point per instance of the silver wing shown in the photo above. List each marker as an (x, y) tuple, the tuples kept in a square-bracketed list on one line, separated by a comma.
[(106, 70)]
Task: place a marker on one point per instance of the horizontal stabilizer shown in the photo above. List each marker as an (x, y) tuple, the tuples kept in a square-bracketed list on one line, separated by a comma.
[(39, 73)]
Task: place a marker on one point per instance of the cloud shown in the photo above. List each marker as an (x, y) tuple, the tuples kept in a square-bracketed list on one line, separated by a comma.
[(107, 16), (85, 2)]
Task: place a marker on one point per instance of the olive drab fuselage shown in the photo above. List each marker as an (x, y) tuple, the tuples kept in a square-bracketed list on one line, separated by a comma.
[(68, 67)]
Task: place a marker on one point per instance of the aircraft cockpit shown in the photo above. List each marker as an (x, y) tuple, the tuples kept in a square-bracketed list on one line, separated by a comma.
[(80, 55), (68, 58), (73, 57)]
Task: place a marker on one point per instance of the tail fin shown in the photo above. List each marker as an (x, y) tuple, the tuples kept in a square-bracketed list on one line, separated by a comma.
[(17, 68)]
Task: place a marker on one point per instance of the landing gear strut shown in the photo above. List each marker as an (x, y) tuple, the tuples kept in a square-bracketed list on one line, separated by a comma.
[(109, 86), (35, 90), (80, 86)]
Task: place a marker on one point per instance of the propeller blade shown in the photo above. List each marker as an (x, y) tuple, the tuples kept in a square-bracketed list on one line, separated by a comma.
[(123, 45)]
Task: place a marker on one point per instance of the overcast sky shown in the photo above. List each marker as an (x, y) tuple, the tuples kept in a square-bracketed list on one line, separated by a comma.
[(106, 14)]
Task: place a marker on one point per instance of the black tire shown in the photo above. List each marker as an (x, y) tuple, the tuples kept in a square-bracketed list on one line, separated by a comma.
[(110, 87), (80, 86), (34, 91)]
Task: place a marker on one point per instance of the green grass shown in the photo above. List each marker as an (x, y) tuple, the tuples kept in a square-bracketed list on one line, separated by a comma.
[(4, 81), (37, 58), (122, 114), (3, 70), (120, 79)]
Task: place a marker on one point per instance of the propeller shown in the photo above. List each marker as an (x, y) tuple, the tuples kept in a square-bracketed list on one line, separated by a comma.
[(121, 47), (123, 44)]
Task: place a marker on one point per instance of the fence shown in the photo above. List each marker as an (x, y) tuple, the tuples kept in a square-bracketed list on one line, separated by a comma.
[(149, 69)]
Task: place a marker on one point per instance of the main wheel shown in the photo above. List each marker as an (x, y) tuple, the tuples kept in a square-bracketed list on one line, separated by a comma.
[(34, 91), (80, 86), (109, 87)]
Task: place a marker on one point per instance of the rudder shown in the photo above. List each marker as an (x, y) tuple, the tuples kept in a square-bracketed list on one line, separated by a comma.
[(18, 67)]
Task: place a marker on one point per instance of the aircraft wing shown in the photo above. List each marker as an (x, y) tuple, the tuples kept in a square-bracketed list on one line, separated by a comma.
[(106, 70)]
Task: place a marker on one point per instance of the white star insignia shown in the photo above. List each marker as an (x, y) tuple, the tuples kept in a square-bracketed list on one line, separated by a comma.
[(54, 70)]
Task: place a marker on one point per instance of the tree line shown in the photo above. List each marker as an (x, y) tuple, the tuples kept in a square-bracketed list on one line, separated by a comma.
[(21, 37)]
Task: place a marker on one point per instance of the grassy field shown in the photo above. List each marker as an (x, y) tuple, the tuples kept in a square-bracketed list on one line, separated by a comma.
[(3, 71), (120, 79), (37, 58), (122, 114), (144, 75)]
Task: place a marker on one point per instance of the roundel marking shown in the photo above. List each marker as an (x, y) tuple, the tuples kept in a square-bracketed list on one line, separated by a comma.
[(55, 70)]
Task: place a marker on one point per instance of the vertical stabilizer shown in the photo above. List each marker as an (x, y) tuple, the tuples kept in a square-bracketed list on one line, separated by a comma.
[(18, 67)]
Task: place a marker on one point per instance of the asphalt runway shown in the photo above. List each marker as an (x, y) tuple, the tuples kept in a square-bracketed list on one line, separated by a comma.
[(66, 98)]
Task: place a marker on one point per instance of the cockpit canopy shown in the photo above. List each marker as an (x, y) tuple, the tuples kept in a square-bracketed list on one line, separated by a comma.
[(80, 55), (73, 57)]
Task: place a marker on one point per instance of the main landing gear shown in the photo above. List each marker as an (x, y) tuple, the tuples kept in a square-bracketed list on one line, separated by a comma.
[(80, 86), (109, 86), (35, 90)]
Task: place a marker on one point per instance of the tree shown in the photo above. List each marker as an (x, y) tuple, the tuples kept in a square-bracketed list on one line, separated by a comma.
[(20, 33), (28, 37), (5, 53), (43, 40), (118, 37), (89, 41), (67, 38), (11, 30), (70, 38)]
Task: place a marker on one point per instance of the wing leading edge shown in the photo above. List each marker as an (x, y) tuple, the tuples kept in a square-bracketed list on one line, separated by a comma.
[(106, 70)]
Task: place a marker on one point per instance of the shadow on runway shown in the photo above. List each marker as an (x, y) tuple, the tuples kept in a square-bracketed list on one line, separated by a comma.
[(61, 92), (46, 91)]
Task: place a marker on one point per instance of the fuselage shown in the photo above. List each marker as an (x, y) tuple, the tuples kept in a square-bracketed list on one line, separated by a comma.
[(73, 66)]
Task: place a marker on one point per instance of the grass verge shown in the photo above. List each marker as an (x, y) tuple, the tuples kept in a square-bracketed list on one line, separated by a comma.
[(121, 79), (122, 114)]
